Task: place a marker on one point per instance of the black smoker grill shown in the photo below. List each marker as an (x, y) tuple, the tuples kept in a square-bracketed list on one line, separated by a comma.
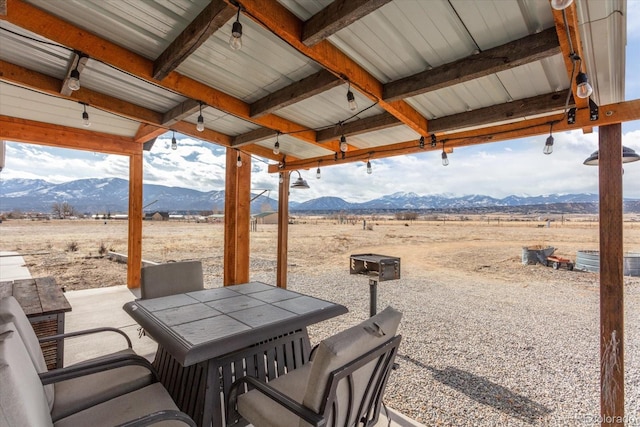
[(379, 268)]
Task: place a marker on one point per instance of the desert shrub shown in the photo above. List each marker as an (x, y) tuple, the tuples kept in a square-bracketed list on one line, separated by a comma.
[(102, 250), (369, 227), (72, 246)]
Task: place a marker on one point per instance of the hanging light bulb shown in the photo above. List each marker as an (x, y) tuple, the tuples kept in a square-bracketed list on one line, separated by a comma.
[(235, 41), (548, 146), (343, 144), (353, 105), (74, 79), (276, 146), (85, 117), (421, 143), (281, 178), (369, 170), (174, 143), (445, 159), (584, 89), (434, 141), (561, 4), (239, 161), (200, 125), (318, 173)]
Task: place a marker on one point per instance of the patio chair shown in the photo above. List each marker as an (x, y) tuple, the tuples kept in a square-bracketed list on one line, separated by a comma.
[(23, 400), (72, 394), (342, 386), (171, 278)]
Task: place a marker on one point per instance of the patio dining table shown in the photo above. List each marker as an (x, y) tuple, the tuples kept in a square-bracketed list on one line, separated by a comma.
[(207, 339)]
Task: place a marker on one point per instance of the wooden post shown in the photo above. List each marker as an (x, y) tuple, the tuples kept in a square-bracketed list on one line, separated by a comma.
[(134, 252), (611, 277), (283, 230), (236, 218)]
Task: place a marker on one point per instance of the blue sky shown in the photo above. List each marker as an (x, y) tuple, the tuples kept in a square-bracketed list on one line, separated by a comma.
[(497, 169)]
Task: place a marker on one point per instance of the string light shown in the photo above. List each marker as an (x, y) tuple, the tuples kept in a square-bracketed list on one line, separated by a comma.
[(318, 171), (343, 144), (200, 125), (74, 77), (85, 117), (445, 159), (276, 146), (584, 89), (369, 169), (174, 143), (353, 105), (235, 41), (434, 141), (421, 143), (239, 161), (548, 145)]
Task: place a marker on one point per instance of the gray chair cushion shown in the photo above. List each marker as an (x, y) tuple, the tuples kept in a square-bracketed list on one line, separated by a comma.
[(10, 311), (127, 407), (22, 398), (171, 278), (83, 392), (261, 411), (339, 349)]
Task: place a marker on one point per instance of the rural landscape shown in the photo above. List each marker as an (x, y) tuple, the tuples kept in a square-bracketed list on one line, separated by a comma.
[(486, 339)]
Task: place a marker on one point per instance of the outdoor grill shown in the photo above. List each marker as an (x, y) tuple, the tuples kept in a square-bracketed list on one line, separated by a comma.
[(378, 268)]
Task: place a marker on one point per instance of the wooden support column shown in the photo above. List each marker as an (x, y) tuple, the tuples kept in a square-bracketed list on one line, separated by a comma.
[(236, 218), (134, 253), (283, 229), (611, 277)]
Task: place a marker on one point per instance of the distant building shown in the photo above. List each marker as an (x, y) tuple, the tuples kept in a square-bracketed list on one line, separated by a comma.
[(266, 217), (157, 216)]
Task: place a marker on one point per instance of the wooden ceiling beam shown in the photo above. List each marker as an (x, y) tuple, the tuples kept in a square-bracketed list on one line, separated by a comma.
[(50, 85), (147, 132), (252, 137), (296, 92), (336, 16), (55, 29), (569, 36), (180, 112), (609, 114), (287, 26), (211, 19), (523, 51), (357, 127), (33, 132)]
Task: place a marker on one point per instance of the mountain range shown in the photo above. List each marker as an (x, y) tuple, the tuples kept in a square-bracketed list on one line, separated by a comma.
[(102, 195)]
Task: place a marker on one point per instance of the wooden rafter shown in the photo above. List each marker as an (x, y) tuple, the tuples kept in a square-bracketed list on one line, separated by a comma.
[(60, 31), (30, 131), (252, 137), (296, 92), (180, 112), (525, 50), (357, 127), (148, 132), (336, 16), (609, 114), (212, 18), (568, 37), (288, 27)]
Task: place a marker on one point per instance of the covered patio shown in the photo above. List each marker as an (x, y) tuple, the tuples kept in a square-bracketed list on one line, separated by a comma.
[(306, 85)]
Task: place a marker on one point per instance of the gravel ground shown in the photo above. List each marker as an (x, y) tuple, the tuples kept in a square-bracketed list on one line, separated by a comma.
[(482, 353)]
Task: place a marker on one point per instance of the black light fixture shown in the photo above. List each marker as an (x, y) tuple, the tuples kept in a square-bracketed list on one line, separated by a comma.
[(353, 105), (628, 155), (85, 116), (548, 145), (235, 41), (445, 159), (434, 141), (369, 169), (300, 183), (174, 143), (421, 143), (239, 160), (200, 125), (318, 171), (276, 146)]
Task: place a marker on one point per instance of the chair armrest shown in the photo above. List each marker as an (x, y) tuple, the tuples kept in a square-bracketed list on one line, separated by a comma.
[(156, 417), (282, 399), (88, 368), (85, 332)]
